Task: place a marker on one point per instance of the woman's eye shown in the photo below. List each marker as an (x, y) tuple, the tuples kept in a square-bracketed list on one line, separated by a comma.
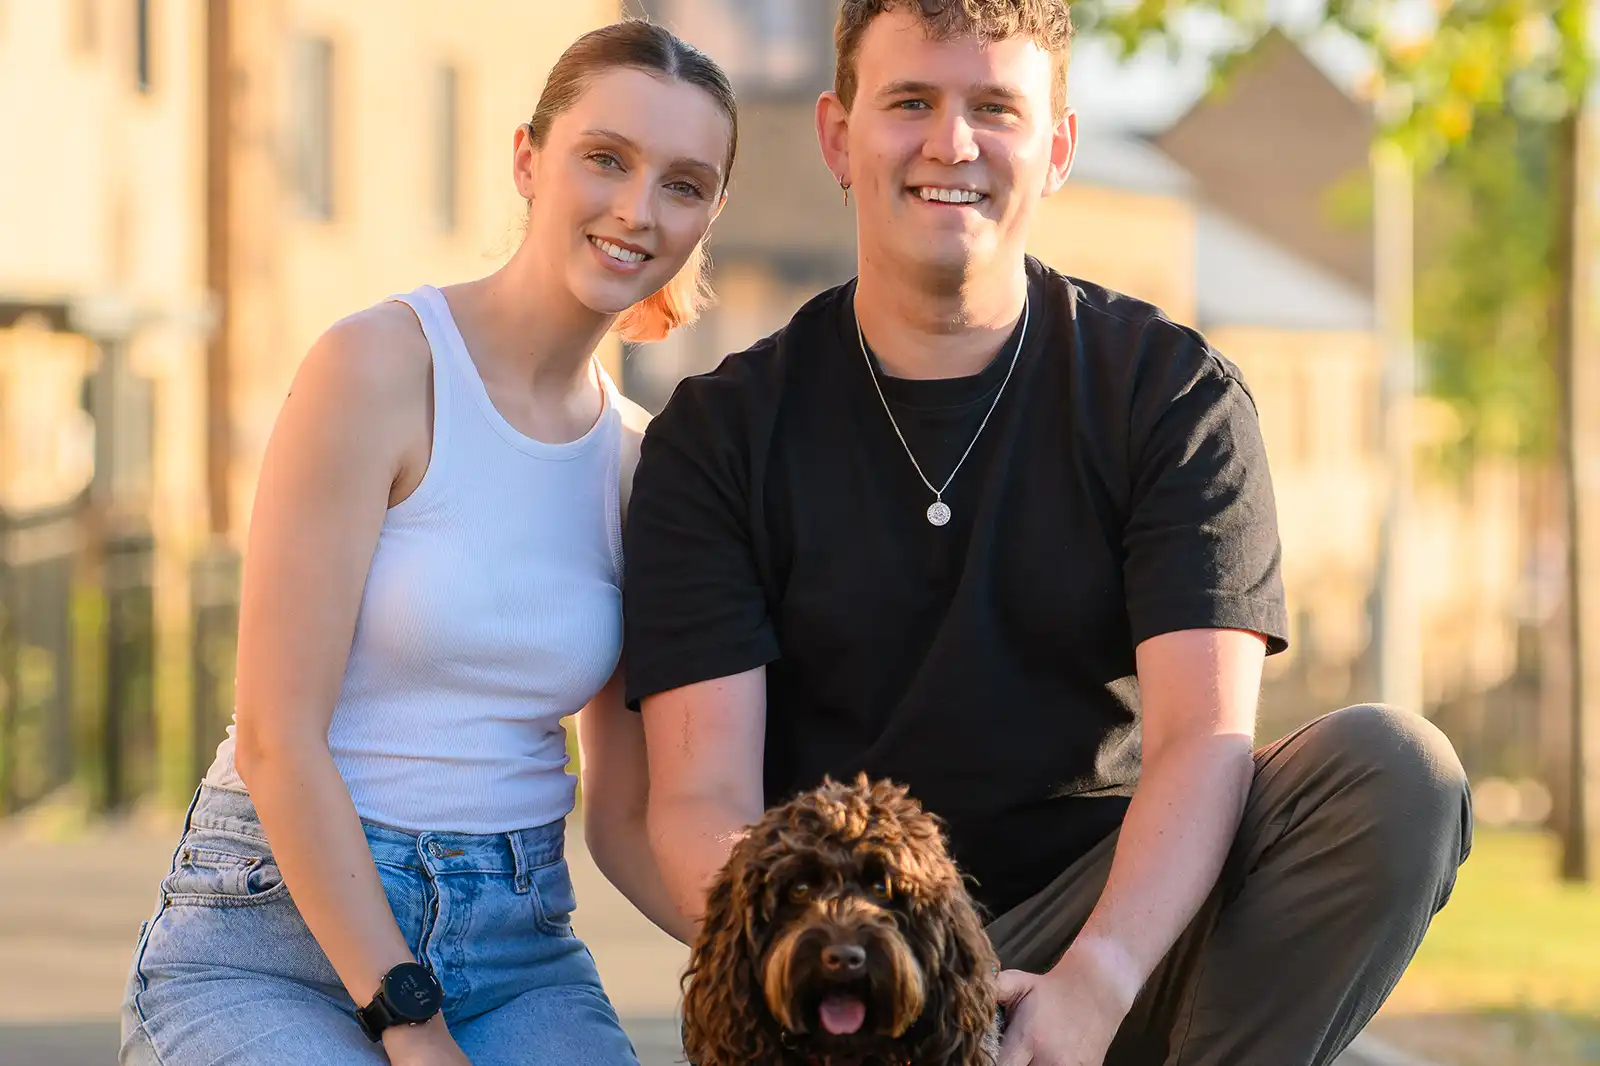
[(687, 188), (605, 159)]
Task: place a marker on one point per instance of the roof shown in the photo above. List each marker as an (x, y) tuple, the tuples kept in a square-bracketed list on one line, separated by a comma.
[(1273, 146), (1243, 279), (1119, 159)]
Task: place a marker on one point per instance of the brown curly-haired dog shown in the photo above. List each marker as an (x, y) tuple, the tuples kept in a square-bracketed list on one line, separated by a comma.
[(839, 933)]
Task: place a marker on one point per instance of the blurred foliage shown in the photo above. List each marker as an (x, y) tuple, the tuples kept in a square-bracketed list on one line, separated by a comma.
[(1436, 68), (1487, 286), (1474, 91)]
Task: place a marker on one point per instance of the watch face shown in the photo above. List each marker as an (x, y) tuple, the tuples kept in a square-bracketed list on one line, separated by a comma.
[(412, 992)]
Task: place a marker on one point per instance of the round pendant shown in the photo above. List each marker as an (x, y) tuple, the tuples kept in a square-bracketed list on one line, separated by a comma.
[(939, 513)]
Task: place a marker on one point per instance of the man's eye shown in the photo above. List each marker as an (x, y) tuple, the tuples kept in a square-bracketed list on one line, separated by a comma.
[(908, 105)]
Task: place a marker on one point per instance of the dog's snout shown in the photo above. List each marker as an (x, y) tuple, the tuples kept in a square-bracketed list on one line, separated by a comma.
[(844, 960)]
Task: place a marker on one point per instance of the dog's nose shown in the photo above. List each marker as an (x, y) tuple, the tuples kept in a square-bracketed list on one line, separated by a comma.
[(844, 960)]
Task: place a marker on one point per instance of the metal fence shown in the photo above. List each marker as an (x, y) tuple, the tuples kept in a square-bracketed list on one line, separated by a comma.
[(38, 668)]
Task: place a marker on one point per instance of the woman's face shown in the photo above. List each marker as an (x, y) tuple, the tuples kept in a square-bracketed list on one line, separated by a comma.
[(626, 185)]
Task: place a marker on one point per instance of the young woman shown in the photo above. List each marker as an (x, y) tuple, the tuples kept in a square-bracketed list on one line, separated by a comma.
[(372, 870)]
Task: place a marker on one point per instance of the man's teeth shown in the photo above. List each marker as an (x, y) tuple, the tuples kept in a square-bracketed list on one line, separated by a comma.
[(951, 196), (618, 252)]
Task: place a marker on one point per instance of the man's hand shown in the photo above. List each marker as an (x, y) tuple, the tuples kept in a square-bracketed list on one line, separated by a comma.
[(1069, 1016)]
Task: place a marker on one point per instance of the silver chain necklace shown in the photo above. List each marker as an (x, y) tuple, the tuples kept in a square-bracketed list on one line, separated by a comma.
[(939, 511)]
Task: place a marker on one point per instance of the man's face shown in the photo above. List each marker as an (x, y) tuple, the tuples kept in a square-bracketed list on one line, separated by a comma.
[(949, 145)]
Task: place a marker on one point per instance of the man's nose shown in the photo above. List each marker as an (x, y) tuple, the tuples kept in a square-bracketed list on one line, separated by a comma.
[(844, 960), (952, 142)]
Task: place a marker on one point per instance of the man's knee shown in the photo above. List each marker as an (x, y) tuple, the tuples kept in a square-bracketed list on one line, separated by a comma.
[(1407, 781)]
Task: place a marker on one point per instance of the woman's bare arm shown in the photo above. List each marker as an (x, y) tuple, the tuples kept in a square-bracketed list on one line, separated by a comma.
[(344, 445)]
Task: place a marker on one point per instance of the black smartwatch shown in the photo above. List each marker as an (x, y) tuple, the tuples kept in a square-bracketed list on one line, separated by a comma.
[(409, 994)]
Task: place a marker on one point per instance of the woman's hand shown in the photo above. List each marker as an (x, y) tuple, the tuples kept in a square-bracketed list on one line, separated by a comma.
[(429, 1044)]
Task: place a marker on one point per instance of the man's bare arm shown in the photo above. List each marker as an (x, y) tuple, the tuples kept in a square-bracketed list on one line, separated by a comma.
[(1198, 693), (705, 743)]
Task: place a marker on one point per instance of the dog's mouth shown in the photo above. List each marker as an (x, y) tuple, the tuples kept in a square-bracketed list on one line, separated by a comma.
[(842, 1014)]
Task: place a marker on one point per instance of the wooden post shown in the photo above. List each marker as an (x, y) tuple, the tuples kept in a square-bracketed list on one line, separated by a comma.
[(1399, 615), (219, 251), (1580, 444)]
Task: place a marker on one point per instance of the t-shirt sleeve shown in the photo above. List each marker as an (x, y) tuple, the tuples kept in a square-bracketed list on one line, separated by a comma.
[(1201, 545), (694, 607)]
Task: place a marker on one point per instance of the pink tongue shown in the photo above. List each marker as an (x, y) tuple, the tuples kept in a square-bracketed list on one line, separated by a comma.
[(842, 1015)]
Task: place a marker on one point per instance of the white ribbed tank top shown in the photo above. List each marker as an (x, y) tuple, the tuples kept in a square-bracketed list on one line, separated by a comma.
[(492, 609)]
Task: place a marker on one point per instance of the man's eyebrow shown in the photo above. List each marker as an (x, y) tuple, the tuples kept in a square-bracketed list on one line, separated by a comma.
[(925, 88), (709, 170)]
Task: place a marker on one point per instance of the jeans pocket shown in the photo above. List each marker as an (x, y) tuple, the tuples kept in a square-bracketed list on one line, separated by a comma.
[(555, 898), (223, 871)]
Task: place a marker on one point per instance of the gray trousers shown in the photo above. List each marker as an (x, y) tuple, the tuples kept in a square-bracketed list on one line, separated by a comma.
[(1350, 842)]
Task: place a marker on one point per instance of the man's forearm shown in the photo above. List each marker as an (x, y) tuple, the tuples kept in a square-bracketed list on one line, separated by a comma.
[(622, 850), (1174, 840), (691, 838)]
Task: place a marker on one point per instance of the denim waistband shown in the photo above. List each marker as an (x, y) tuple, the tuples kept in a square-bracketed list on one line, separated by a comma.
[(512, 853)]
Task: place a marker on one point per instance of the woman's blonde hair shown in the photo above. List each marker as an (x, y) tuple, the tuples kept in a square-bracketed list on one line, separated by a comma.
[(642, 45)]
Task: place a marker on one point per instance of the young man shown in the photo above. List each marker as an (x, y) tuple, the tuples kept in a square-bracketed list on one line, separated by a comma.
[(1009, 538)]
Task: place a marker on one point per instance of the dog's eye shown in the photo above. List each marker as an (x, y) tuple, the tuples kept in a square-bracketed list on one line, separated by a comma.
[(882, 889), (799, 892)]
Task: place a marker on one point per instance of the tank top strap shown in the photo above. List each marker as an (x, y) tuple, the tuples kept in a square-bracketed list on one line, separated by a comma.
[(613, 427), (445, 388)]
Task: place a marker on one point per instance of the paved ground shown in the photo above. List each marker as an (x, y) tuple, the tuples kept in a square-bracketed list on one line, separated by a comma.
[(69, 912)]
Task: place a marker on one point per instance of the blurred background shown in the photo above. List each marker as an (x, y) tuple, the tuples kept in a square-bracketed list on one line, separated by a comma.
[(1384, 212)]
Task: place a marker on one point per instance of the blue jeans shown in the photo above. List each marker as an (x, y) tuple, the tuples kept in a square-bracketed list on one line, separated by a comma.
[(227, 974)]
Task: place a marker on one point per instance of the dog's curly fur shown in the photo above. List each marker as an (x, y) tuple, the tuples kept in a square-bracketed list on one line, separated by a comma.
[(861, 863)]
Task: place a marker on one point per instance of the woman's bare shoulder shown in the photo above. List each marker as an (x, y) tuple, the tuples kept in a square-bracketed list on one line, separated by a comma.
[(371, 373), (377, 355)]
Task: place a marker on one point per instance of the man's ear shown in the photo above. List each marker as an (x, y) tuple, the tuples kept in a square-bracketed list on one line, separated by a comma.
[(1063, 147), (833, 134)]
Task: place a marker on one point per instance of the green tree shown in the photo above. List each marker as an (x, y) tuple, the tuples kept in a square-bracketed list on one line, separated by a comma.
[(1486, 290), (1487, 99)]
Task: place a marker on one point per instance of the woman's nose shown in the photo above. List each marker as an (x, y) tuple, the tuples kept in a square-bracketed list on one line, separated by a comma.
[(635, 206)]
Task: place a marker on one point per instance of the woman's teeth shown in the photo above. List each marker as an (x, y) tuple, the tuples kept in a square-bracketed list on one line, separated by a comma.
[(951, 196), (618, 252)]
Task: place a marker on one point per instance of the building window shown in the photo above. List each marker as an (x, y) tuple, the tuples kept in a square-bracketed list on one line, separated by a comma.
[(85, 30), (311, 129), (142, 45), (447, 149)]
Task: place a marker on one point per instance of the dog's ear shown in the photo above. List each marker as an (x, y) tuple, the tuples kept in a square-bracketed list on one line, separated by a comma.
[(962, 1007), (723, 1015)]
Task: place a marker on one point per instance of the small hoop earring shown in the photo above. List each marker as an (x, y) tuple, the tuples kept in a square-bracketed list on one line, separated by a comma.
[(845, 185)]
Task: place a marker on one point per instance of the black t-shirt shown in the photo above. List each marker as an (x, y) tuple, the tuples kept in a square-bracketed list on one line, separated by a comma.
[(1119, 491)]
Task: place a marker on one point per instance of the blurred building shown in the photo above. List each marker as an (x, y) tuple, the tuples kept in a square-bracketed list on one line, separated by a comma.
[(190, 192)]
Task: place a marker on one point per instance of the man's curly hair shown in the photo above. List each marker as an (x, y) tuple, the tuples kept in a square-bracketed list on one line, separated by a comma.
[(1048, 22), (840, 931)]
